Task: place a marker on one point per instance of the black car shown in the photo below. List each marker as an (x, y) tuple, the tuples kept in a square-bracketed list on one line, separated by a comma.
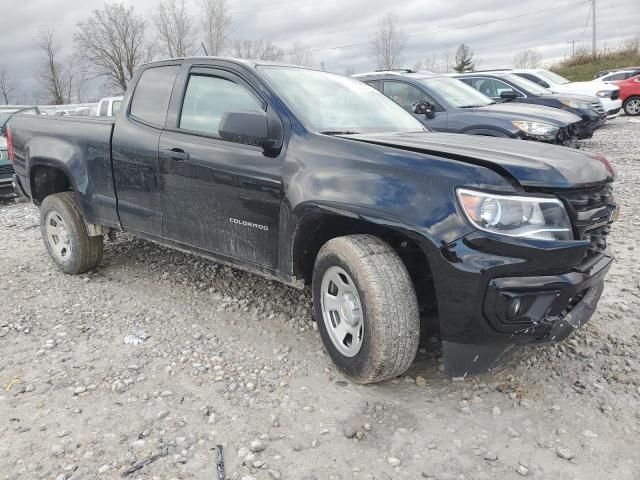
[(310, 177), (507, 87), (446, 104)]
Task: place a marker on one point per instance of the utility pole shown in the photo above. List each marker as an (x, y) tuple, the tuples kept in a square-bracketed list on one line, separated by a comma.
[(595, 50), (573, 47)]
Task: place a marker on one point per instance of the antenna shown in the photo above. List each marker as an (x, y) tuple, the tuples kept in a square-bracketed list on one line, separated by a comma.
[(204, 48)]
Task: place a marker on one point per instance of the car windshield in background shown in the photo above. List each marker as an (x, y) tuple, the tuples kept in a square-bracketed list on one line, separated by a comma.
[(458, 94), (333, 103), (553, 77), (527, 85)]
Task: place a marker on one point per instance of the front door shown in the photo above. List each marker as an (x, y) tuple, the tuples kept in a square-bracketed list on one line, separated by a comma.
[(219, 196)]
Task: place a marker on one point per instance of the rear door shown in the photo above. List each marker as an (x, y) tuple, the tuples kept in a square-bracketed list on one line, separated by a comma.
[(218, 196), (135, 151), (406, 95)]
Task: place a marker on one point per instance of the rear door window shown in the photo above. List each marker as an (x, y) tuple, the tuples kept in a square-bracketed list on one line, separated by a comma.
[(151, 96), (208, 97), (103, 108)]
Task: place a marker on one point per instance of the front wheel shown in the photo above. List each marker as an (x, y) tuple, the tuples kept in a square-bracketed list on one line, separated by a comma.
[(366, 308), (65, 235), (631, 106)]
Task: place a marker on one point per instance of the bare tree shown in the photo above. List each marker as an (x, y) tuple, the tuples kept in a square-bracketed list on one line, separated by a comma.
[(216, 23), (349, 70), (113, 42), (7, 87), (388, 42), (529, 58), (55, 79), (464, 59), (257, 50), (300, 55), (176, 31)]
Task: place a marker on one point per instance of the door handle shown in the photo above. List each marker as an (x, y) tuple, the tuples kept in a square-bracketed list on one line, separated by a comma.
[(176, 154)]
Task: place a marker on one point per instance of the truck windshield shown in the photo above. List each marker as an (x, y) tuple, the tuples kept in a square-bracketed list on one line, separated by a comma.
[(456, 93), (331, 103)]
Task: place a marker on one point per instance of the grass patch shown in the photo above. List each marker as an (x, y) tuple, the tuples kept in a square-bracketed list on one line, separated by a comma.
[(582, 66)]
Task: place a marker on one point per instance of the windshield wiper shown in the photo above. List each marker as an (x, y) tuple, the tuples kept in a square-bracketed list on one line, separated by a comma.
[(338, 132), (471, 106)]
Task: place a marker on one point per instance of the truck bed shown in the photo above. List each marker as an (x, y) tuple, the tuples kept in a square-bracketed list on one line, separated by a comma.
[(80, 146)]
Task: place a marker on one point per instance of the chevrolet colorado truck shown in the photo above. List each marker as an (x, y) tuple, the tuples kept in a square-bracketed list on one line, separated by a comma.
[(315, 178)]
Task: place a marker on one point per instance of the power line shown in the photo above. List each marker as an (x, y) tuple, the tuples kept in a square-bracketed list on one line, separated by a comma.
[(433, 32)]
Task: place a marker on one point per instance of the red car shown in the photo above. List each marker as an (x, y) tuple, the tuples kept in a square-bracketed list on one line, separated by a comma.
[(630, 95)]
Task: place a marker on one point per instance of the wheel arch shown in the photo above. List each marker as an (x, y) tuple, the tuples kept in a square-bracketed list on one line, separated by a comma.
[(317, 224), (47, 177)]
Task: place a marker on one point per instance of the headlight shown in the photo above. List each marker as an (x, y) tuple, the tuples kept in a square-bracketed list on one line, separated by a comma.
[(536, 129), (539, 218), (3, 142), (604, 93), (576, 104)]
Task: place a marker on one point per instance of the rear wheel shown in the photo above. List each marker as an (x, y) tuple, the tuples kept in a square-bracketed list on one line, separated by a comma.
[(65, 235), (631, 106), (366, 308)]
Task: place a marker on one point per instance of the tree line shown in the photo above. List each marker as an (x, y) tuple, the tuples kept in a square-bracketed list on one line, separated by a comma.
[(114, 41)]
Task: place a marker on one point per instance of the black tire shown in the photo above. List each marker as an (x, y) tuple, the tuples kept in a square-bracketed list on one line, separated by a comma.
[(85, 251), (390, 308), (627, 104)]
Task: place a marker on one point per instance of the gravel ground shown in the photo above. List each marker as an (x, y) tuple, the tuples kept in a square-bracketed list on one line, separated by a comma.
[(162, 353)]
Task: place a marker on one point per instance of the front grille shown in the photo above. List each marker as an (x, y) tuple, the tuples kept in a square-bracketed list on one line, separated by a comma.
[(597, 106), (615, 95), (591, 211), (6, 170)]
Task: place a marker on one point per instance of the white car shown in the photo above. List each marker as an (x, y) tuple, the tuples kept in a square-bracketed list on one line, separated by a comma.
[(618, 75), (608, 94), (109, 106)]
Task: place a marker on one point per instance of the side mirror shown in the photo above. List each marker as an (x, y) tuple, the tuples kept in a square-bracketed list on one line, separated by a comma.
[(508, 95), (423, 108), (252, 127)]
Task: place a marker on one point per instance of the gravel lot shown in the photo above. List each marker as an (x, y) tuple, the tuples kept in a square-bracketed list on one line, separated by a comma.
[(159, 352)]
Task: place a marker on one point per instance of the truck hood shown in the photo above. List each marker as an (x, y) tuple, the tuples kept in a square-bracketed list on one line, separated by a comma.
[(583, 88), (530, 164), (532, 113)]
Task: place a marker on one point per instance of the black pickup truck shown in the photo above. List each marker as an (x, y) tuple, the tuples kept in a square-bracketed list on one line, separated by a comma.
[(315, 178)]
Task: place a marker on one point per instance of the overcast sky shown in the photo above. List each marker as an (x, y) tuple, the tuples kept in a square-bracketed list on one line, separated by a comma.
[(434, 28)]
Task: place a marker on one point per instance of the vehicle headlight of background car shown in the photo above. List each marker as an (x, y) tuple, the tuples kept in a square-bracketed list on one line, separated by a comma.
[(540, 218), (604, 93), (541, 130), (3, 143), (576, 104)]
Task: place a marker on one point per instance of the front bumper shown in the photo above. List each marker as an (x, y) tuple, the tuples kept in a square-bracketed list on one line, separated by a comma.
[(612, 107), (590, 123), (480, 278)]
